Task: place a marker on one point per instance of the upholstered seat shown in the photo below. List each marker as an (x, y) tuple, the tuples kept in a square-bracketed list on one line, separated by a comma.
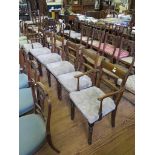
[(130, 83), (32, 134), (40, 51), (23, 81), (29, 46), (74, 34), (70, 82), (28, 22), (22, 42), (84, 38), (49, 58), (87, 102), (61, 67), (22, 38), (128, 60), (26, 102), (123, 53)]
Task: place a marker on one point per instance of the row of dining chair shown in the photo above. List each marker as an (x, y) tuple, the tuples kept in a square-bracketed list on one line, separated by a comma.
[(77, 82)]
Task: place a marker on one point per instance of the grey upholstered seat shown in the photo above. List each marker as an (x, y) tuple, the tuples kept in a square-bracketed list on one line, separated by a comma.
[(61, 67), (130, 83), (87, 102), (70, 82), (39, 51), (29, 46), (49, 58)]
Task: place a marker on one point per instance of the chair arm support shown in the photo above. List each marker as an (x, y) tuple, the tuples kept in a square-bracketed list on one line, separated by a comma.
[(86, 73), (105, 96), (82, 74)]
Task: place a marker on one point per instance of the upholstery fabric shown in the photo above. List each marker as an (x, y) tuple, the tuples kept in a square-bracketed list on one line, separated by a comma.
[(70, 82), (25, 100), (32, 134), (75, 35), (28, 47), (23, 81), (28, 22), (123, 53), (61, 67), (128, 59), (49, 58), (22, 42), (22, 38), (40, 51), (130, 83), (87, 102)]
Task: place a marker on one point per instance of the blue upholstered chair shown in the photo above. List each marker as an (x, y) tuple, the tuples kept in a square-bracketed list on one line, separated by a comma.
[(33, 129), (26, 93)]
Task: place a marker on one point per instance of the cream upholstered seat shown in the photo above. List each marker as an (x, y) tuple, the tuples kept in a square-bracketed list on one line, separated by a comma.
[(29, 46), (87, 102), (61, 67), (49, 58), (130, 83), (39, 51), (128, 60), (70, 82)]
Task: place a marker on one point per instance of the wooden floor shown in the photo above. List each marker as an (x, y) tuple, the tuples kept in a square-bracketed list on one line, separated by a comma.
[(70, 137)]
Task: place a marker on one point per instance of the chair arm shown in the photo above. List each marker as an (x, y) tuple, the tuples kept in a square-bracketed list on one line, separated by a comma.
[(86, 73), (105, 96), (82, 74)]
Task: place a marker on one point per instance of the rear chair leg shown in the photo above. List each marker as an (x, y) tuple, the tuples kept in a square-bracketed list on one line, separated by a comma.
[(49, 78), (113, 116), (72, 110), (40, 69)]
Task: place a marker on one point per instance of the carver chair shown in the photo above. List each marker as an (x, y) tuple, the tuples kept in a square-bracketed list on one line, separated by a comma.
[(71, 81), (94, 102), (35, 129)]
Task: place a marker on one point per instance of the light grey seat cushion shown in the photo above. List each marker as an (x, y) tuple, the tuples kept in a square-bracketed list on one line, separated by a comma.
[(128, 60), (49, 58), (39, 51), (32, 134), (87, 102), (75, 35), (29, 46), (70, 82), (130, 83), (61, 67)]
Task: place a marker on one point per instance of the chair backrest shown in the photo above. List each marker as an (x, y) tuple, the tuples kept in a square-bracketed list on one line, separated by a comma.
[(97, 38), (86, 33), (89, 60), (111, 42), (112, 69), (59, 46), (41, 98), (128, 45), (73, 53)]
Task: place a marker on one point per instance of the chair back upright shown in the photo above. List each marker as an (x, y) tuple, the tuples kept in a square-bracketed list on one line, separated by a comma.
[(73, 53)]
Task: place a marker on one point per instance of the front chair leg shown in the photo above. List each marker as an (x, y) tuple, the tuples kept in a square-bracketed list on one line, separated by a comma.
[(90, 132), (49, 78), (113, 116), (72, 110), (49, 140)]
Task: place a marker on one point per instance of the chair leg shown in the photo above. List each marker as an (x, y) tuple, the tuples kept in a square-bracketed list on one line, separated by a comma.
[(49, 140), (49, 78), (72, 110), (59, 90), (113, 116), (90, 132)]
